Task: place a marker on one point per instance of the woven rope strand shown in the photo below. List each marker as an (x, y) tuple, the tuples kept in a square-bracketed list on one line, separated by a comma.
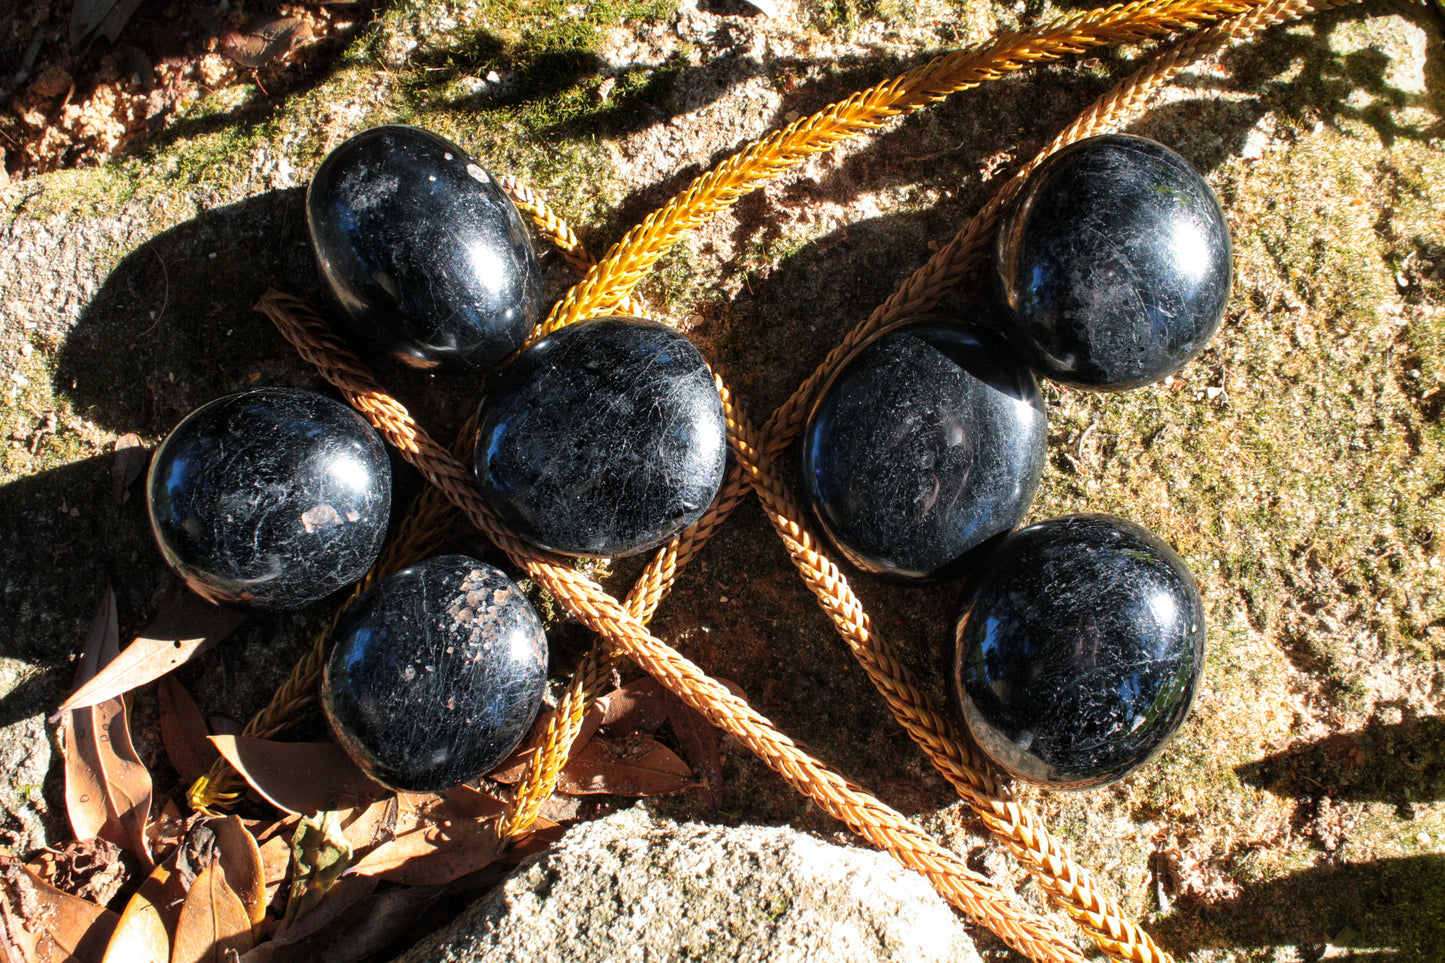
[(604, 615), (630, 259), (1046, 858)]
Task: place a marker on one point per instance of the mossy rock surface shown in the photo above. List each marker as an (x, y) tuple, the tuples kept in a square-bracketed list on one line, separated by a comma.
[(1298, 465)]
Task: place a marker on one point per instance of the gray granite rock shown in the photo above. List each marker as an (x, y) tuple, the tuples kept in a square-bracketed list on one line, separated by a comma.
[(632, 887)]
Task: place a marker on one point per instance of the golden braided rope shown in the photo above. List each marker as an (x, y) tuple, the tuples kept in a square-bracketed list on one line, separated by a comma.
[(658, 659), (589, 603), (423, 527), (1046, 858), (630, 259)]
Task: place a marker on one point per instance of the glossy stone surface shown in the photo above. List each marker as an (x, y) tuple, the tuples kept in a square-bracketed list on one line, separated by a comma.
[(435, 674), (604, 439), (1080, 644), (1115, 264), (925, 444), (270, 499), (428, 260)]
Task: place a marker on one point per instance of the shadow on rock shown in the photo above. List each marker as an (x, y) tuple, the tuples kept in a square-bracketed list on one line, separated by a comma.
[(1401, 763), (1383, 910), (172, 326)]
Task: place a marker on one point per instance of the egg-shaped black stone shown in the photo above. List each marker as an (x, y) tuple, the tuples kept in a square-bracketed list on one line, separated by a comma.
[(926, 443), (435, 674), (270, 499), (426, 257), (1115, 264), (1080, 645), (605, 439)]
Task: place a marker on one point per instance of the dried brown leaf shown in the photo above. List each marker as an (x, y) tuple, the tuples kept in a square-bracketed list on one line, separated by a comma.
[(340, 895), (89, 868), (185, 625), (472, 803), (99, 18), (434, 855), (697, 738), (84, 792), (213, 922), (40, 924), (240, 861), (183, 731), (639, 708), (509, 771), (358, 932), (299, 777), (143, 934), (273, 841), (634, 766), (264, 42), (130, 458), (107, 789), (320, 853)]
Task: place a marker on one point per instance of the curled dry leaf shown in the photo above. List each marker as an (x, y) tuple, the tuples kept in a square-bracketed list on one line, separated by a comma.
[(130, 461), (107, 789), (340, 895), (638, 708), (40, 924), (509, 771), (213, 925), (264, 42), (240, 860), (320, 853), (185, 626), (183, 732), (273, 842), (89, 868), (143, 934), (358, 931), (436, 854), (299, 777), (634, 766)]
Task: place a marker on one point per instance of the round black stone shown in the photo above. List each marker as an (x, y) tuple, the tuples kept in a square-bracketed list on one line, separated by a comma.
[(604, 439), (1080, 645), (426, 257), (435, 674), (270, 499), (1115, 264), (925, 444)]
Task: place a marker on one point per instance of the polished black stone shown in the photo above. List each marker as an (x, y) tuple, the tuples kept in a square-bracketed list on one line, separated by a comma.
[(427, 258), (435, 674), (270, 499), (605, 439), (926, 443), (1080, 643), (1115, 264)]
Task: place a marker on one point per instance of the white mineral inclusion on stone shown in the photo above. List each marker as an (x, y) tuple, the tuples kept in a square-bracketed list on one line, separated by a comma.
[(477, 173)]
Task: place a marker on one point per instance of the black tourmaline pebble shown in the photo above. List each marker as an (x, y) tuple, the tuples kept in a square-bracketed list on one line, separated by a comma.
[(1115, 264), (270, 499), (427, 258), (1080, 644), (925, 444), (604, 439), (435, 674)]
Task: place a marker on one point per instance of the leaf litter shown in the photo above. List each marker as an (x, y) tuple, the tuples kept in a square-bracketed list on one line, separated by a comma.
[(346, 869)]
